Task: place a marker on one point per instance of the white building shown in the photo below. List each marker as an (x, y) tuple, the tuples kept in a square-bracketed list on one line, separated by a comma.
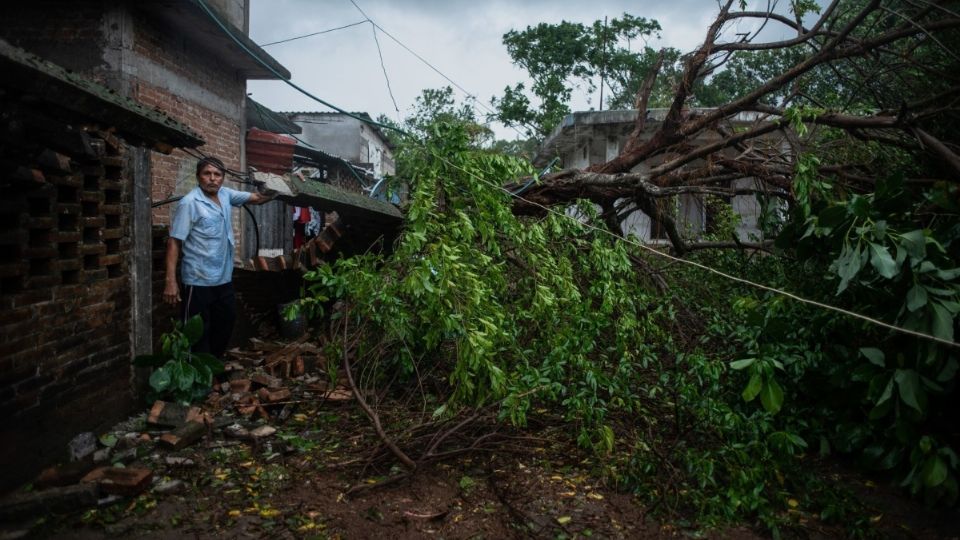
[(587, 138), (345, 137)]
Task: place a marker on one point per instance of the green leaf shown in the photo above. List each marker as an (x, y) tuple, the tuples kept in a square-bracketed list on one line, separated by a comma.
[(908, 382), (915, 243), (741, 364), (949, 370), (848, 265), (942, 321), (832, 217), (916, 297), (875, 356), (771, 396), (934, 471), (753, 387), (948, 275), (887, 393), (882, 261), (210, 361), (160, 379), (193, 329), (182, 375)]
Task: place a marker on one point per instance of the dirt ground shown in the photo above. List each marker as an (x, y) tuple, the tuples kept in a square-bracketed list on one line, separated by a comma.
[(310, 479)]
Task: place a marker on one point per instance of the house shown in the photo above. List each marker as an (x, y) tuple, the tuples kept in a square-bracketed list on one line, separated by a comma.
[(348, 138), (337, 150), (587, 138), (187, 59), (183, 57), (74, 258)]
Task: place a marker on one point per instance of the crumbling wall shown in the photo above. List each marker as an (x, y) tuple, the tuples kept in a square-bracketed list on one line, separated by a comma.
[(64, 292)]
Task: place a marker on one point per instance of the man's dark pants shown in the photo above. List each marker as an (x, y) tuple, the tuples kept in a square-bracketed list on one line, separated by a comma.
[(217, 307)]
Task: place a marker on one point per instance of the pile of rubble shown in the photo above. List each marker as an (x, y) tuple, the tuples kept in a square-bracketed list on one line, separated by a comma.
[(260, 389)]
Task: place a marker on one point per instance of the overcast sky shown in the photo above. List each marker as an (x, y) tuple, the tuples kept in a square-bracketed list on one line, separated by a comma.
[(460, 38)]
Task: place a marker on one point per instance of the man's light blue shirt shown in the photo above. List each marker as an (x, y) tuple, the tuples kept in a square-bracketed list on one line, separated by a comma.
[(206, 231)]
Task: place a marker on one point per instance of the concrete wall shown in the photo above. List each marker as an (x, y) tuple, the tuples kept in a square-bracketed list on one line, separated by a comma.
[(597, 143), (347, 138)]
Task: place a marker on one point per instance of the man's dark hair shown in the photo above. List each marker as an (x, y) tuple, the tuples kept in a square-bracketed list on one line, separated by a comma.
[(210, 161)]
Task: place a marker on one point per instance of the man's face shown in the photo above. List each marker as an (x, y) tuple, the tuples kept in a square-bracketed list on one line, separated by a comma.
[(210, 179)]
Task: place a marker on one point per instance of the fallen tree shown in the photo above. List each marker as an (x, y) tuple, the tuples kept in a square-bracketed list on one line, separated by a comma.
[(496, 311)]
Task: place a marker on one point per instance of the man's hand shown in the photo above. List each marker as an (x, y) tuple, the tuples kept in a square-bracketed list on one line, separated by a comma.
[(262, 195), (171, 293)]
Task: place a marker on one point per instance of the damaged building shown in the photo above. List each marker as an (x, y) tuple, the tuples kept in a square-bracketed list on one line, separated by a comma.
[(81, 236)]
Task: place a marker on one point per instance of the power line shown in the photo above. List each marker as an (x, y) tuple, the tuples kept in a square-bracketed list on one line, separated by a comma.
[(434, 68), (714, 271), (313, 34), (384, 68), (280, 76)]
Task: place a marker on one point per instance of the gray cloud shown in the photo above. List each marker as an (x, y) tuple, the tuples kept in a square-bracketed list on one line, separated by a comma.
[(461, 38)]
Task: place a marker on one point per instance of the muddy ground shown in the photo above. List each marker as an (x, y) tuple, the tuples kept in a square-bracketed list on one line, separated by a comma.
[(312, 479)]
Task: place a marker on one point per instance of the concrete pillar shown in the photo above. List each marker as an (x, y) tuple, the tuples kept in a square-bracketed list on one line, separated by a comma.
[(141, 286)]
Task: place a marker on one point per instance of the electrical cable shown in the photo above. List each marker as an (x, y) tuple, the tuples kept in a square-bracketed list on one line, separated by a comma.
[(277, 74), (311, 35), (256, 228), (384, 68), (431, 66), (714, 271), (656, 252)]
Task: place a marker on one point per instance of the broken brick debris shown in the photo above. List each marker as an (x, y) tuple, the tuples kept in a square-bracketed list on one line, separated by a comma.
[(273, 396), (127, 481), (63, 475), (268, 381), (239, 386), (59, 499), (168, 414), (183, 436)]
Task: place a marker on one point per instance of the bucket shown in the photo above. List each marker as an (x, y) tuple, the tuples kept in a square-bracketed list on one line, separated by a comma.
[(291, 328)]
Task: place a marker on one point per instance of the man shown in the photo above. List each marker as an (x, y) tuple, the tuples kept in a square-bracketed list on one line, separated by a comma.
[(203, 233)]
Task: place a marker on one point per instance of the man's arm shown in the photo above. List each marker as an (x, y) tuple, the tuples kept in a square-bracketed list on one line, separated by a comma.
[(171, 290), (260, 198)]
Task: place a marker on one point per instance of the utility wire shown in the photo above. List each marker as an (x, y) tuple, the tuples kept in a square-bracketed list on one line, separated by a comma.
[(313, 34), (422, 59), (655, 252), (714, 271), (384, 68), (278, 75), (434, 68)]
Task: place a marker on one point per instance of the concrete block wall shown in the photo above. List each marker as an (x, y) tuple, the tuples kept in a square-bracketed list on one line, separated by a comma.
[(64, 305)]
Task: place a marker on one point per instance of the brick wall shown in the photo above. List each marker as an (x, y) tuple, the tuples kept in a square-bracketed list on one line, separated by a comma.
[(66, 32), (64, 301)]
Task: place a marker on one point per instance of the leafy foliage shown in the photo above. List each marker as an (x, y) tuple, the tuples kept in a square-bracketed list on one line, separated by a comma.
[(566, 56), (179, 373), (534, 316)]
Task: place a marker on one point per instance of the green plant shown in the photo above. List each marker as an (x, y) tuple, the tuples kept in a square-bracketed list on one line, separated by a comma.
[(180, 374)]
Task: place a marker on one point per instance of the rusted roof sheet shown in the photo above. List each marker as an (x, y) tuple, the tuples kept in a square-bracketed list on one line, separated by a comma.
[(356, 210), (270, 152), (50, 83)]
